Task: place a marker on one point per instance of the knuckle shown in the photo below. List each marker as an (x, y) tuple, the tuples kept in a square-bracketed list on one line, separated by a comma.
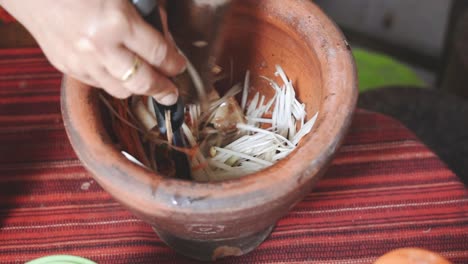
[(67, 69), (118, 20), (125, 95), (61, 67), (121, 94), (113, 22), (58, 64), (140, 84), (159, 53), (86, 43)]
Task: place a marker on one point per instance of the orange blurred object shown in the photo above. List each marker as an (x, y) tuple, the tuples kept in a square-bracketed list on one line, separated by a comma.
[(411, 256)]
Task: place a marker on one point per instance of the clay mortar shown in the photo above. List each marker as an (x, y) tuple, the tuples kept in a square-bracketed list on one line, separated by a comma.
[(211, 220)]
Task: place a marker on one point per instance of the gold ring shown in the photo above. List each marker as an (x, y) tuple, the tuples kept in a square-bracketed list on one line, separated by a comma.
[(130, 72)]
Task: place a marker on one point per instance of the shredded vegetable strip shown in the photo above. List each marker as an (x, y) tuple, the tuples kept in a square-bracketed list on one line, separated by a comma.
[(245, 93), (274, 127)]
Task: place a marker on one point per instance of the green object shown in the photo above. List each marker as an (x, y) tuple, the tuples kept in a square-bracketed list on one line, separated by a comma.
[(61, 259), (377, 70)]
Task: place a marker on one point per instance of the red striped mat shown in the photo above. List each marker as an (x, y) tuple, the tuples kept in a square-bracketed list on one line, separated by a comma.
[(5, 16), (385, 190)]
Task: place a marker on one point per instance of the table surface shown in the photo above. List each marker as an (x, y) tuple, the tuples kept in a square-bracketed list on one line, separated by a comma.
[(384, 190)]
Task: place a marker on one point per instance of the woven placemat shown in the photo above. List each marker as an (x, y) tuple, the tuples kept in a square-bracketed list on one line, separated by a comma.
[(384, 190)]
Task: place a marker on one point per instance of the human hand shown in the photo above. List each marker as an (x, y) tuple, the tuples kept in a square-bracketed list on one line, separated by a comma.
[(99, 42)]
